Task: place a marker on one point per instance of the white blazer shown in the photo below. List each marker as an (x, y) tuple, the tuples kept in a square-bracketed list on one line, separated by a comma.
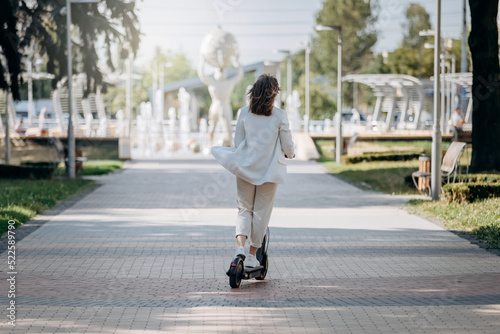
[(261, 143)]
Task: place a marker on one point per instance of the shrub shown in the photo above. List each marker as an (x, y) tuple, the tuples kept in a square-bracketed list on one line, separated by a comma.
[(384, 156), (490, 234), (470, 192), (37, 171), (484, 178)]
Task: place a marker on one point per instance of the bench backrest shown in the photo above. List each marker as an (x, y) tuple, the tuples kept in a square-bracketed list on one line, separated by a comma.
[(451, 156)]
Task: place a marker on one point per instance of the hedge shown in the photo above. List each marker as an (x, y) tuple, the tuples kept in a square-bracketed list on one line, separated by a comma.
[(470, 192), (384, 156), (29, 170), (483, 178)]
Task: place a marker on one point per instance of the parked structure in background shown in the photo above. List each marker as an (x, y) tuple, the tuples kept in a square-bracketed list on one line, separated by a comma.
[(89, 118), (400, 99)]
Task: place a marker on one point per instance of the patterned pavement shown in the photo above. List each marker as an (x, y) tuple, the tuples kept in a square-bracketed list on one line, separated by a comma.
[(147, 251)]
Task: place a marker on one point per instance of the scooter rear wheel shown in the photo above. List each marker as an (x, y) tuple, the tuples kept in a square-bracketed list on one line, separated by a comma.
[(235, 277), (265, 264)]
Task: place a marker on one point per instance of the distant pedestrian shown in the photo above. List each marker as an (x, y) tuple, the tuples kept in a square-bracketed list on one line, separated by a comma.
[(262, 142), (41, 121), (456, 121), (20, 128)]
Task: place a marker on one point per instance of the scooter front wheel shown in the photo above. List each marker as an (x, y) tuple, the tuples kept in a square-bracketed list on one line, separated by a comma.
[(236, 274)]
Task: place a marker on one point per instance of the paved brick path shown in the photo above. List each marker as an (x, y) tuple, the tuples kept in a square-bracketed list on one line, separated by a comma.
[(147, 252)]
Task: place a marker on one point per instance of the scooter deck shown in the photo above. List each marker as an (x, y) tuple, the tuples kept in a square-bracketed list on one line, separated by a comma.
[(251, 272)]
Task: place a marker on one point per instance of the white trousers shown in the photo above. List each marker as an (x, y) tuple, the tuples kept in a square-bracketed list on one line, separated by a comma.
[(255, 205)]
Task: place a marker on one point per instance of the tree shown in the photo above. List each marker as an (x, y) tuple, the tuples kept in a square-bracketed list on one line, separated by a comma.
[(180, 69), (411, 58), (357, 19), (322, 96), (10, 66), (114, 22), (483, 44), (417, 19)]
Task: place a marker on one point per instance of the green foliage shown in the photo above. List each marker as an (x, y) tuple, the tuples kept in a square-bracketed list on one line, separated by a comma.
[(383, 156), (9, 47), (112, 21), (481, 218), (100, 167), (490, 234), (357, 19), (411, 52), (425, 145), (470, 192), (28, 171), (179, 68), (405, 60), (484, 178), (417, 19), (95, 167), (21, 200), (238, 98), (384, 176)]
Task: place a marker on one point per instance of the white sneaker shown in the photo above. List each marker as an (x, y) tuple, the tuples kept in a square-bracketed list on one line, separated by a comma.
[(251, 261), (241, 252)]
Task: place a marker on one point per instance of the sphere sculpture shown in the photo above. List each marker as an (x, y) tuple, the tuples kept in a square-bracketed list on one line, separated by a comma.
[(219, 48)]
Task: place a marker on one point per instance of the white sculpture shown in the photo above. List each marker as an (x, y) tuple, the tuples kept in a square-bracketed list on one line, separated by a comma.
[(171, 117), (184, 101), (219, 49), (203, 136), (159, 105), (356, 117), (171, 143), (292, 109), (328, 126), (88, 124), (119, 123)]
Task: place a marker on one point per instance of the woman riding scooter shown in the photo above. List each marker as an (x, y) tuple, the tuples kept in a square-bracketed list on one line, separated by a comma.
[(262, 142)]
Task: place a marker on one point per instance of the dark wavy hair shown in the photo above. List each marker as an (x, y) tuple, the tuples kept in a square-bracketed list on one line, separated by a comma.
[(262, 95)]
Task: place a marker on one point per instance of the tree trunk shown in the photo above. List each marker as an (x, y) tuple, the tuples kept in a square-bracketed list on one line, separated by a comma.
[(483, 43)]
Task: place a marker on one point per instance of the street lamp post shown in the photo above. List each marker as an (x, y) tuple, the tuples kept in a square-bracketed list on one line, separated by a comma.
[(162, 67), (463, 57), (71, 135), (307, 90), (436, 131), (129, 93), (288, 55), (339, 142), (308, 94)]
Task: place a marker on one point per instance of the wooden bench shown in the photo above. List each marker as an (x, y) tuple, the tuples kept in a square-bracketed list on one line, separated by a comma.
[(448, 168)]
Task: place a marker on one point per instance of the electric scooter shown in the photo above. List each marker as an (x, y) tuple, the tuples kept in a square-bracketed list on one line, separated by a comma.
[(237, 271)]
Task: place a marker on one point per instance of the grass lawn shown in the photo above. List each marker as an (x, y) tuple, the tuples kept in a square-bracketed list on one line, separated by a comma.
[(21, 200), (384, 176), (95, 167), (481, 218), (100, 167), (326, 148)]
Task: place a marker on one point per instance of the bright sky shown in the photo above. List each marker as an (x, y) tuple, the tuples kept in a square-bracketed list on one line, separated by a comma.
[(260, 26)]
